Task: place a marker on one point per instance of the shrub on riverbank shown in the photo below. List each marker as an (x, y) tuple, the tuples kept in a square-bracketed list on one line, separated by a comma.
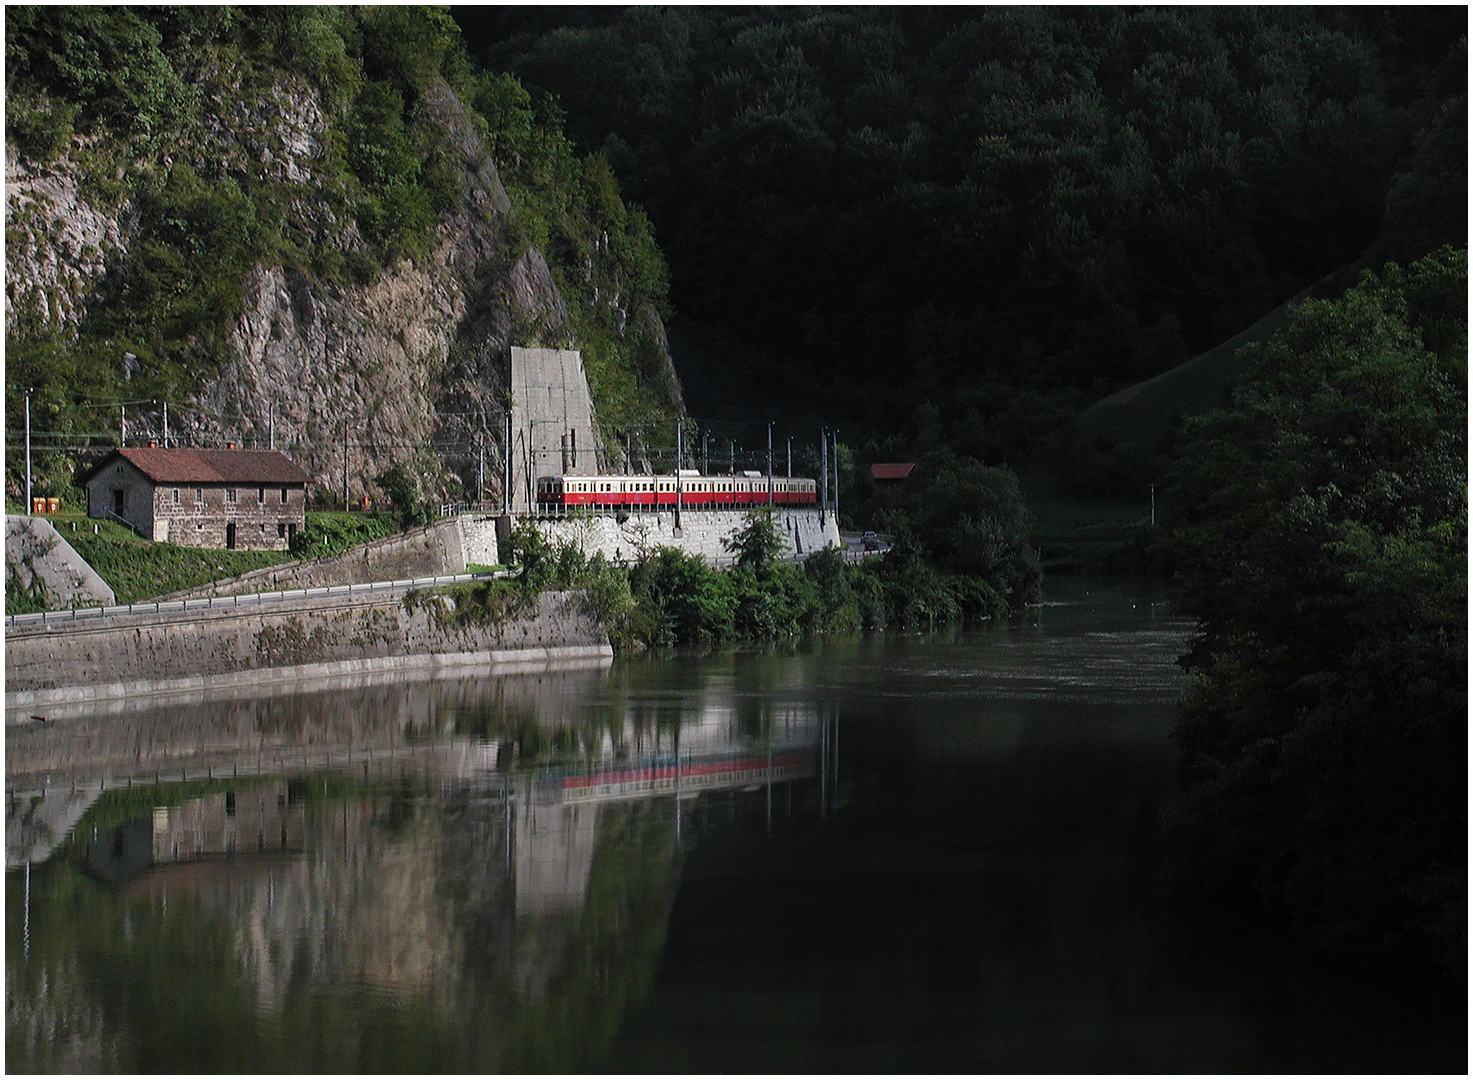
[(1323, 547), (671, 597)]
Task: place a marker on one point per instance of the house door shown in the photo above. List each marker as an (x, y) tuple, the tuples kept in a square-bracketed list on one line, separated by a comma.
[(118, 501), (230, 535)]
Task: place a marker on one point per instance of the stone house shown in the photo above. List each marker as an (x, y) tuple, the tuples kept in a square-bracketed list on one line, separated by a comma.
[(250, 499)]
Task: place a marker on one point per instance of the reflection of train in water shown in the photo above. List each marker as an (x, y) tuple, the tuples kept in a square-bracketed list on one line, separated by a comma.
[(740, 490), (664, 776)]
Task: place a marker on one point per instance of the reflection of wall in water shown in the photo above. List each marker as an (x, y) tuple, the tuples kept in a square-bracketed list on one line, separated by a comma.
[(255, 818), (554, 854), (259, 818), (116, 739)]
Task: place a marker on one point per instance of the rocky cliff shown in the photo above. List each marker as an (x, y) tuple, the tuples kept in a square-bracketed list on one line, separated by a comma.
[(337, 344)]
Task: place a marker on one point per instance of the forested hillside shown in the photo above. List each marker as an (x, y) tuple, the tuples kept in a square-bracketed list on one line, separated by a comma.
[(962, 225), (314, 226)]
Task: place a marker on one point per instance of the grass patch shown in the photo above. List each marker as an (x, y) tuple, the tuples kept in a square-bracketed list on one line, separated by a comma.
[(140, 570), (487, 604), (332, 532)]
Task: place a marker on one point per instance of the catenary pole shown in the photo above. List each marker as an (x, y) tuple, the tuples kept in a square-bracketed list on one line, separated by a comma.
[(836, 479), (679, 447), (823, 476), (29, 505), (769, 464)]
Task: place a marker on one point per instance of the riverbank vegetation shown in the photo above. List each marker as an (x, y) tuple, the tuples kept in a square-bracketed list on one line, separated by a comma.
[(670, 597), (1322, 544)]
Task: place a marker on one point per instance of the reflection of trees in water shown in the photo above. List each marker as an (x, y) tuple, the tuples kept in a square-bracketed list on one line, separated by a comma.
[(392, 943)]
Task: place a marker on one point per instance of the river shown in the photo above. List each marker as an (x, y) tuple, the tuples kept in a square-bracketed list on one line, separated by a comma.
[(888, 854)]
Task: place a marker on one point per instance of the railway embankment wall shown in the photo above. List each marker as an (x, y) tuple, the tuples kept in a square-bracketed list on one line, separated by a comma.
[(204, 650), (701, 532), (444, 548)]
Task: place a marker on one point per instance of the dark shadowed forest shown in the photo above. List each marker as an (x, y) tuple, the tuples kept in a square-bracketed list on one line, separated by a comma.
[(960, 226)]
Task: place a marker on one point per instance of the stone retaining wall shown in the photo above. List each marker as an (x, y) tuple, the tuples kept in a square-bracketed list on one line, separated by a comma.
[(433, 551), (702, 532), (205, 650)]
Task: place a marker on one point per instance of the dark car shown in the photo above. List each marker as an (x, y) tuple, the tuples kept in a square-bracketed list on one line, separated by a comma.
[(870, 542)]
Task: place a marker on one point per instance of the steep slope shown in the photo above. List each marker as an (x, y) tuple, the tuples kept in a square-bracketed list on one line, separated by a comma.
[(290, 225)]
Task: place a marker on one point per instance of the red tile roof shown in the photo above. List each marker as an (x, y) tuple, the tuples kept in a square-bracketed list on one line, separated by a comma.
[(192, 466), (890, 472)]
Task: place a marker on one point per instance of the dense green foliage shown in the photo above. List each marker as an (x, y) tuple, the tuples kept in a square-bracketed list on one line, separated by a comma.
[(670, 597), (332, 532), (968, 518), (1323, 546), (981, 219), (173, 109)]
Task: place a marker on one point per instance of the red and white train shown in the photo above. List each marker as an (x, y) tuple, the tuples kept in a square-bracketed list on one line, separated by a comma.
[(721, 492)]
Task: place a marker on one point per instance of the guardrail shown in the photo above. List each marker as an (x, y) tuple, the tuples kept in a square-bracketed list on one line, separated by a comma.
[(207, 603)]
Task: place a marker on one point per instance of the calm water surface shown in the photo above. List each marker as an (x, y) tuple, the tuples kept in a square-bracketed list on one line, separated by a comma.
[(896, 854)]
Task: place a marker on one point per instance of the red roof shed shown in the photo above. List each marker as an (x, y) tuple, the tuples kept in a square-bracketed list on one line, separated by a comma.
[(891, 472)]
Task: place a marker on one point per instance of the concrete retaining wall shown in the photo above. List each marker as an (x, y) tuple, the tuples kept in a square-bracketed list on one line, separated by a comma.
[(192, 651), (702, 532), (554, 432)]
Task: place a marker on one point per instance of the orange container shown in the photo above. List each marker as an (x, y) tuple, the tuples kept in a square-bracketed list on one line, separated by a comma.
[(53, 506), (38, 505)]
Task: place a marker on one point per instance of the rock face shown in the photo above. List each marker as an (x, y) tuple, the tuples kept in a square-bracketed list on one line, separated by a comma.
[(345, 377), (39, 562), (417, 359), (57, 245)]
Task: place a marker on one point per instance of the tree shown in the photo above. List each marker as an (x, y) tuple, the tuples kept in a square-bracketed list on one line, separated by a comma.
[(1323, 745), (755, 544), (402, 489)]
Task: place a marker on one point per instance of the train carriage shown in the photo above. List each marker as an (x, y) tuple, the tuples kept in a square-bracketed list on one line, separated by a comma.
[(658, 492)]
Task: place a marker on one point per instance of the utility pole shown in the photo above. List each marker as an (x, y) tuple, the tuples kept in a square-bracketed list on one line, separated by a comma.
[(790, 456), (166, 424), (345, 463), (679, 447), (823, 476), (122, 425), (705, 453), (835, 479), (29, 504), (731, 449), (506, 469), (271, 426), (1153, 505), (769, 464)]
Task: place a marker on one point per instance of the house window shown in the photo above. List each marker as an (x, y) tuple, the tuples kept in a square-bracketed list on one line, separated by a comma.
[(260, 496), (283, 496), (281, 530), (199, 496), (174, 496), (230, 495)]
